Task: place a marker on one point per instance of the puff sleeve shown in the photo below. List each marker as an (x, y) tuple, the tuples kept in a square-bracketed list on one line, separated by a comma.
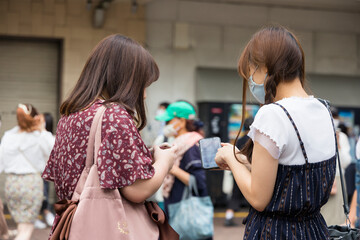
[(267, 129), (123, 157)]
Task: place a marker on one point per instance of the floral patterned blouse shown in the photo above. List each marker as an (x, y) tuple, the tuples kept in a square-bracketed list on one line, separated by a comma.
[(122, 158)]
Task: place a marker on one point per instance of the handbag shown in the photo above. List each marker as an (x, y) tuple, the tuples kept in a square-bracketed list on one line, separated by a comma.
[(192, 217), (96, 213), (337, 232)]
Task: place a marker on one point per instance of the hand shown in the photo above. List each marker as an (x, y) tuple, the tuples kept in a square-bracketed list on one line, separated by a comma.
[(165, 145), (224, 154), (167, 155)]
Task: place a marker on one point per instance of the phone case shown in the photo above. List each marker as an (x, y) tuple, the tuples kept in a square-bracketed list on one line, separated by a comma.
[(208, 150)]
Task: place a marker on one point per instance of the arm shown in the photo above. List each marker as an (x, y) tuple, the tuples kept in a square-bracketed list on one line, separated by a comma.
[(352, 213), (182, 175), (258, 185), (143, 189), (47, 142), (190, 165)]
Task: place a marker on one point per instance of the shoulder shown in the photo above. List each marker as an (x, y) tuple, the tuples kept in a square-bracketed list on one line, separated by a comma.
[(269, 109), (193, 150), (193, 153), (270, 114), (12, 131), (11, 135), (117, 116)]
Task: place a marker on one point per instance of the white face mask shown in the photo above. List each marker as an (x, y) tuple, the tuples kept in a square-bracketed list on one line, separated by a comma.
[(170, 131), (257, 90)]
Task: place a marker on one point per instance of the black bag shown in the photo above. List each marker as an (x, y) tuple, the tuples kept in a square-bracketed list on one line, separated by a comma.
[(343, 232), (337, 232)]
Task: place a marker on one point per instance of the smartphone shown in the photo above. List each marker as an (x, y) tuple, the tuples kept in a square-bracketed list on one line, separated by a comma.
[(208, 150)]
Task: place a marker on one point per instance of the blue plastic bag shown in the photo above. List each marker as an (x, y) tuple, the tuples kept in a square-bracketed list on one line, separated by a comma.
[(192, 217)]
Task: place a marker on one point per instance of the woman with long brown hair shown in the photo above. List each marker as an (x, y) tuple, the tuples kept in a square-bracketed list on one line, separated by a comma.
[(292, 147), (116, 75)]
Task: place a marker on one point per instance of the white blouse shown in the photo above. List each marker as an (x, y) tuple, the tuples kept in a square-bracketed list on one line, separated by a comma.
[(25, 152), (274, 131)]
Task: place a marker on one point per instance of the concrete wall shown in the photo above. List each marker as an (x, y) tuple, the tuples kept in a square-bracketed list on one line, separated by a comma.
[(71, 21), (186, 35)]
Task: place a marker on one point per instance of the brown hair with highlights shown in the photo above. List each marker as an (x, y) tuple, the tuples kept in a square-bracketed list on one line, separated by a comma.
[(120, 69), (277, 49)]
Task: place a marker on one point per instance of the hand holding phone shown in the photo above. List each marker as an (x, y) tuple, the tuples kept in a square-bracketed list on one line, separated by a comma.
[(208, 150)]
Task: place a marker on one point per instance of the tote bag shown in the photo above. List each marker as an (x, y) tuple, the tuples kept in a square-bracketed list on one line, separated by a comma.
[(192, 217)]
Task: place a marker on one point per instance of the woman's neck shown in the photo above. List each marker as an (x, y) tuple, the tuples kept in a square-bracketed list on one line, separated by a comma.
[(290, 89), (181, 132)]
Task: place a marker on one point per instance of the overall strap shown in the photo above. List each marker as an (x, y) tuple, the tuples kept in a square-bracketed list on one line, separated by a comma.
[(297, 132)]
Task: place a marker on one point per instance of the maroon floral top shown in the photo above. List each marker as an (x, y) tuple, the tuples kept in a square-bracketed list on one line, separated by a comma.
[(122, 158)]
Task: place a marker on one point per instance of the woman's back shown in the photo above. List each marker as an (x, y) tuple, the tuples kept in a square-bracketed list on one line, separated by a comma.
[(305, 174), (25, 152), (123, 156), (313, 122)]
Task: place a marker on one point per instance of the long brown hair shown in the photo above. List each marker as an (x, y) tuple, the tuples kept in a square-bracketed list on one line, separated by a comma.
[(120, 68), (277, 49)]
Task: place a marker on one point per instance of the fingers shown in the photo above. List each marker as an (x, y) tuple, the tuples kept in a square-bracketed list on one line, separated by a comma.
[(226, 144), (165, 145)]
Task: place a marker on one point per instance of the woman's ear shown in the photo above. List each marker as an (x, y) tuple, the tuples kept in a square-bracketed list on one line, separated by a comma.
[(264, 70)]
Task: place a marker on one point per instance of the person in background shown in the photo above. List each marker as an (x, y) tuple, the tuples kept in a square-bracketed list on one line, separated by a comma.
[(292, 152), (199, 127), (180, 117), (168, 138), (164, 133), (22, 158), (126, 163), (45, 208), (5, 233), (161, 109), (354, 214), (332, 211), (237, 199)]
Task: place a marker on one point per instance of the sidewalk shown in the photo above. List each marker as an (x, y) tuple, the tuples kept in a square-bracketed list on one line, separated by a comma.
[(221, 232)]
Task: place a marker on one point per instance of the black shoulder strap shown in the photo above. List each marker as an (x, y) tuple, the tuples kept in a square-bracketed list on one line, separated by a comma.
[(296, 130), (346, 206)]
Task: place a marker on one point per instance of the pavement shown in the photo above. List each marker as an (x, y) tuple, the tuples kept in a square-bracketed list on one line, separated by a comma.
[(220, 231)]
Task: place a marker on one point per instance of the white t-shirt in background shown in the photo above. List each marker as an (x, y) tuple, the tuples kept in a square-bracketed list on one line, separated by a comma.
[(25, 152)]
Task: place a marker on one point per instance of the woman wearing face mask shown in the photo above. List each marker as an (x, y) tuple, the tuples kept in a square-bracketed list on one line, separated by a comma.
[(292, 147), (180, 124)]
